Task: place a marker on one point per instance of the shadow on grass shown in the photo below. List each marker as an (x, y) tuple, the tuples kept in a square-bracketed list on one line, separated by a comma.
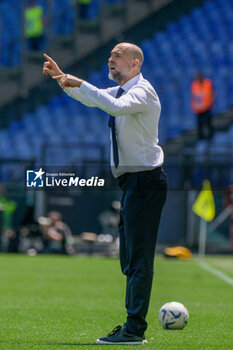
[(69, 344), (12, 342)]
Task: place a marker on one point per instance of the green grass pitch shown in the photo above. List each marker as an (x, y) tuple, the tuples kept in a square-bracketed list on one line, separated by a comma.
[(59, 302)]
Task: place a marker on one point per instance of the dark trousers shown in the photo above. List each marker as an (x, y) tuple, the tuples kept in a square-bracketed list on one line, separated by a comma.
[(143, 197), (34, 44), (205, 128), (83, 11)]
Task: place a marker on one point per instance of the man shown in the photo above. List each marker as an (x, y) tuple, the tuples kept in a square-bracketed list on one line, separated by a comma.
[(34, 25), (136, 161), (202, 98), (63, 231), (83, 8)]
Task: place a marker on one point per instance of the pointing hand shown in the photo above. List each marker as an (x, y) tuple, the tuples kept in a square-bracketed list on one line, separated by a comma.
[(50, 67)]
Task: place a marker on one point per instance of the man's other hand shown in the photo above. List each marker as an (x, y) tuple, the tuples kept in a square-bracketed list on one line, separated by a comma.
[(67, 80)]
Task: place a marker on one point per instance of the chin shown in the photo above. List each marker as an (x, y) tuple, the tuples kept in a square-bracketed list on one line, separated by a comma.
[(111, 77)]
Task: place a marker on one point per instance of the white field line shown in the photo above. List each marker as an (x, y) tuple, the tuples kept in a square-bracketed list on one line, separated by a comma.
[(216, 272)]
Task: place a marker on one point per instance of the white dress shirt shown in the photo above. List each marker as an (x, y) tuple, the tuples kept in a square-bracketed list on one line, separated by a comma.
[(137, 114)]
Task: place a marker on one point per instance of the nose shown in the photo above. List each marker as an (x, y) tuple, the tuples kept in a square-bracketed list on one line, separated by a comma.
[(110, 60)]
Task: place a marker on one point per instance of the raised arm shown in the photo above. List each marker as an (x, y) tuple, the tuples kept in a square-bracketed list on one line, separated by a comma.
[(135, 101), (66, 81)]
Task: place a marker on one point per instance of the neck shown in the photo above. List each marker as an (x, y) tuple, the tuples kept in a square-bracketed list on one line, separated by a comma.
[(123, 81)]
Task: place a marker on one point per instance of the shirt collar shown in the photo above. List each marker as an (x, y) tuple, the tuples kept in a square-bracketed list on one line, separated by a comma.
[(131, 82)]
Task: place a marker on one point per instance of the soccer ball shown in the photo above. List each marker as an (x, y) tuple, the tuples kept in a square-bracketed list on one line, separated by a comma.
[(173, 315)]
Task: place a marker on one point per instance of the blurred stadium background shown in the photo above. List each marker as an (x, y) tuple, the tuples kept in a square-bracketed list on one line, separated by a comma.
[(41, 126)]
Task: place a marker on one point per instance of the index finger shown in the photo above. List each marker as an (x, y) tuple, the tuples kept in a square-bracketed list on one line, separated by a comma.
[(49, 58), (58, 76)]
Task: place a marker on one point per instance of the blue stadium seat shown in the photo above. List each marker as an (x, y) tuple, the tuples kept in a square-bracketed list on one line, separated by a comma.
[(219, 138), (94, 9)]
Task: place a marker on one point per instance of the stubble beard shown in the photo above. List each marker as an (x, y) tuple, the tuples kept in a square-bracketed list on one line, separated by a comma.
[(119, 76)]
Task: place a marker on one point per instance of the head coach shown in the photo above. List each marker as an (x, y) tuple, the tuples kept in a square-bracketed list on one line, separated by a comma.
[(134, 109)]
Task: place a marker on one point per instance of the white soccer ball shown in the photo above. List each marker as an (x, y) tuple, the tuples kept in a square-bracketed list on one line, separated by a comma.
[(173, 315)]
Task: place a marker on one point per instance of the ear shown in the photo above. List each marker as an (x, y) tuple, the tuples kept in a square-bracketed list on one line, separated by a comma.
[(136, 62)]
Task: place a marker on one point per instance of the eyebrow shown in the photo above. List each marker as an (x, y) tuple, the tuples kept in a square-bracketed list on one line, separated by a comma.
[(116, 52)]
